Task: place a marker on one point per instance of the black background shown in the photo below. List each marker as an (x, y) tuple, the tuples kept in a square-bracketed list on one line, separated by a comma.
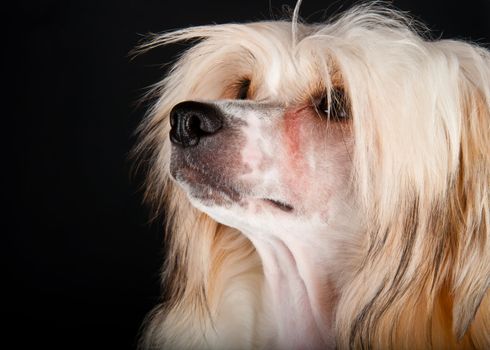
[(82, 259)]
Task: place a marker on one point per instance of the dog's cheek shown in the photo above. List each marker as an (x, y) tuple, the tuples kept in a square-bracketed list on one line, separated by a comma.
[(317, 162), (333, 166), (302, 139)]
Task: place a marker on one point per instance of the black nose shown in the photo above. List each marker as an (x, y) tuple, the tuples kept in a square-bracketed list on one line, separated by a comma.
[(190, 121)]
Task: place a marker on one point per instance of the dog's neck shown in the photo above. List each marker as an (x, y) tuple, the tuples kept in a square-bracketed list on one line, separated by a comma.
[(298, 293), (301, 269)]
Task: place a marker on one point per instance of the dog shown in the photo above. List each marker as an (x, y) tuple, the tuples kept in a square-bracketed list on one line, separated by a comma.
[(324, 186)]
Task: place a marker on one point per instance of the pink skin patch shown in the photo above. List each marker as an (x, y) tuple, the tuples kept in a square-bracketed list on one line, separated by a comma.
[(295, 170), (292, 125)]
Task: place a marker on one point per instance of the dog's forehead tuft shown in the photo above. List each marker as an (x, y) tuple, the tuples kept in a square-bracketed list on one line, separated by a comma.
[(264, 53)]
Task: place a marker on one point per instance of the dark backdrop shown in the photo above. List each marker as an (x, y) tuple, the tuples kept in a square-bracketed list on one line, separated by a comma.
[(82, 260)]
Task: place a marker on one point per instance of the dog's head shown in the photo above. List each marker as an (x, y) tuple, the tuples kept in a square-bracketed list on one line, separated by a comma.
[(280, 124)]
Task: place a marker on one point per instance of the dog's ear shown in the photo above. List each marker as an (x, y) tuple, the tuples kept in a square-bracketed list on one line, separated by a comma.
[(469, 204)]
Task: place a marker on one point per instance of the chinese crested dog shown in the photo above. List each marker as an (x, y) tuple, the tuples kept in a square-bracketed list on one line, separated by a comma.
[(325, 186)]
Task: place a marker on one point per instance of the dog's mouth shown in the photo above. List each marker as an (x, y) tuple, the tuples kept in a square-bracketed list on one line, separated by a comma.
[(221, 193), (215, 192), (215, 189), (279, 205)]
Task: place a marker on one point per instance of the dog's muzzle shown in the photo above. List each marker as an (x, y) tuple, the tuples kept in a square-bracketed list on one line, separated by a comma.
[(191, 121)]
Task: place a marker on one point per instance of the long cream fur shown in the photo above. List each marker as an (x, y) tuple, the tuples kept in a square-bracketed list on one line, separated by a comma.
[(421, 277)]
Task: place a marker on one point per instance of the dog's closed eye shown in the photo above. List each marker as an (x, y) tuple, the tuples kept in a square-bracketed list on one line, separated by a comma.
[(333, 106)]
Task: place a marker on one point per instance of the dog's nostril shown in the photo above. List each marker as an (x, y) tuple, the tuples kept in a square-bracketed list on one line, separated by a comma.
[(193, 123), (190, 121)]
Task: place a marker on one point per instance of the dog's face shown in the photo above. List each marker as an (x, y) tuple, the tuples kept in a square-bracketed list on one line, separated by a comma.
[(247, 162)]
